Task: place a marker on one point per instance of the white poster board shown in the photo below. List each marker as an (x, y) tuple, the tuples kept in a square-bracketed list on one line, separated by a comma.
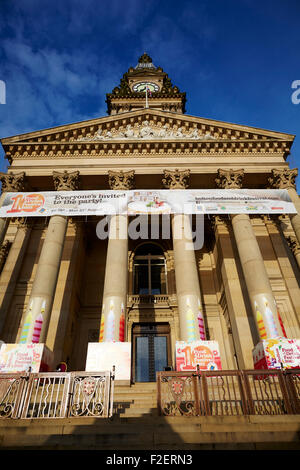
[(103, 356)]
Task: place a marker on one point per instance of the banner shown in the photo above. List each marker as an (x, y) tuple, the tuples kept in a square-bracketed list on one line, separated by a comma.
[(205, 354), (17, 358), (109, 202), (277, 353)]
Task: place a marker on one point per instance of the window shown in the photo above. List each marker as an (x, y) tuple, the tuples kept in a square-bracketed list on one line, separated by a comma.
[(149, 270)]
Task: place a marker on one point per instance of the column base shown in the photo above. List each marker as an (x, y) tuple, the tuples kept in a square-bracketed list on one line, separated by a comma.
[(205, 354), (24, 358), (103, 356), (277, 353)]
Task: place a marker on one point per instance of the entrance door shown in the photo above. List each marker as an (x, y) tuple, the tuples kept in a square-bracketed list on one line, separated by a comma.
[(151, 350)]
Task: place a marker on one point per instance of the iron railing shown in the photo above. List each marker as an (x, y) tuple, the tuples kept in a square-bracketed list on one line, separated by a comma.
[(230, 392), (57, 395)]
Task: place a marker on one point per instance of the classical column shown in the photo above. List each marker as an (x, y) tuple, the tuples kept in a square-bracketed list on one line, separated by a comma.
[(186, 275), (285, 179), (257, 281), (11, 183), (226, 264), (37, 316), (114, 303)]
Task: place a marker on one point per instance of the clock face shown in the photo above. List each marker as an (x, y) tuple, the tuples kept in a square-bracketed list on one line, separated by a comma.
[(141, 86)]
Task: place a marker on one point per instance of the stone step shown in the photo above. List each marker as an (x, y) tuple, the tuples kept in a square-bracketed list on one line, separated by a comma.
[(153, 432), (137, 400)]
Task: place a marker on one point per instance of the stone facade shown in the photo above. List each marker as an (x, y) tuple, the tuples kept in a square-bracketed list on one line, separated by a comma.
[(147, 142)]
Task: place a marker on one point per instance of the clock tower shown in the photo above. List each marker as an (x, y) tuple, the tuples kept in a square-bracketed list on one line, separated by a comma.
[(145, 86)]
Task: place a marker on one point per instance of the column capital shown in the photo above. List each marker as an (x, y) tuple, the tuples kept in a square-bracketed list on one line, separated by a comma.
[(219, 221), (230, 179), (176, 179), (66, 181), (293, 244), (121, 180), (4, 250), (13, 182), (23, 222), (283, 179)]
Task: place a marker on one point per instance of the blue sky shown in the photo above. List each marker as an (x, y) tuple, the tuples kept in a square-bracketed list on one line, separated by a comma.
[(235, 59)]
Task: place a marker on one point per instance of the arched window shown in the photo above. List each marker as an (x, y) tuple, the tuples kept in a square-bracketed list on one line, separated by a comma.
[(149, 270)]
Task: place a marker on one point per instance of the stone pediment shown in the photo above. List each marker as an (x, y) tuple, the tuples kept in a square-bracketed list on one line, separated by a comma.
[(152, 127)]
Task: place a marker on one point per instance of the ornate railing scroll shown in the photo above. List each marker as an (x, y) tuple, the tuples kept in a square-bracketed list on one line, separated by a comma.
[(57, 395), (91, 395), (228, 393), (267, 394), (12, 389), (178, 394)]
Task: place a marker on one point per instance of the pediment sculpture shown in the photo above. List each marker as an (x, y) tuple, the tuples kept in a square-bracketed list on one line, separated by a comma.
[(146, 131)]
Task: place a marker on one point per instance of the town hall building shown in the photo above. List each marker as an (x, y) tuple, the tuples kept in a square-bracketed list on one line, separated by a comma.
[(61, 266)]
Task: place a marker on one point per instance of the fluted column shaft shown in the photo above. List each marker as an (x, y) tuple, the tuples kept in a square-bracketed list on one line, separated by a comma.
[(187, 281), (114, 304), (191, 319), (257, 281), (37, 317)]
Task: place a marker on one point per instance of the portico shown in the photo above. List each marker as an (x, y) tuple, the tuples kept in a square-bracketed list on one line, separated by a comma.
[(64, 286)]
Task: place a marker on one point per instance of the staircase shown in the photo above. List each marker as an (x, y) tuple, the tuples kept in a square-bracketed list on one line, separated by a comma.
[(134, 401)]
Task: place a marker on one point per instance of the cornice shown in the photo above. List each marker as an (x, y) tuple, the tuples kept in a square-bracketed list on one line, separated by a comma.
[(129, 148)]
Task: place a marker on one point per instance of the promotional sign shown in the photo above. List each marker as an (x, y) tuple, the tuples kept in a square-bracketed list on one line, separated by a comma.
[(198, 201), (17, 358), (277, 353), (103, 356), (206, 354)]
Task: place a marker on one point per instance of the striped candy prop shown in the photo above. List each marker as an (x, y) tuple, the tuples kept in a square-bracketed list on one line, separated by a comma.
[(273, 332), (37, 328), (281, 324), (201, 323), (101, 335), (260, 323), (122, 325), (110, 326), (26, 326), (190, 322)]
